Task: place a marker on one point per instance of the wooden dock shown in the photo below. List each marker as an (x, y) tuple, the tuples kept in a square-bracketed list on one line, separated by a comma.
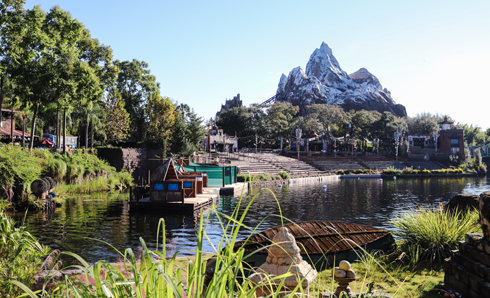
[(209, 196)]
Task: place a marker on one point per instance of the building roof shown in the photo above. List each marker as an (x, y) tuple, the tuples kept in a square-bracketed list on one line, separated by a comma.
[(17, 133)]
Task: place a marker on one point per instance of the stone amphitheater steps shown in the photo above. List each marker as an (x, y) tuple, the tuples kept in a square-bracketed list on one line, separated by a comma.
[(270, 163), (425, 165)]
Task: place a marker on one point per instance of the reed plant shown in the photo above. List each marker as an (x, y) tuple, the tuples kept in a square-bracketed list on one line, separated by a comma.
[(430, 235), (20, 256), (156, 274)]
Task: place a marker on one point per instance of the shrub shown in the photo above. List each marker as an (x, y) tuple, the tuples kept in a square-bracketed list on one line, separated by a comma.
[(432, 234), (409, 171), (284, 175), (425, 171), (392, 171)]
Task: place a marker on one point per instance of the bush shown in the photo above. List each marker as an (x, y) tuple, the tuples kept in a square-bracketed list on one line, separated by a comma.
[(392, 171), (432, 234), (425, 171), (284, 175)]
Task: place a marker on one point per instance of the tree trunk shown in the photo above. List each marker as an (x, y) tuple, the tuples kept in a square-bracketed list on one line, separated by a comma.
[(58, 125), (23, 132), (64, 131), (34, 124), (12, 127), (92, 134), (1, 96), (86, 133), (79, 139)]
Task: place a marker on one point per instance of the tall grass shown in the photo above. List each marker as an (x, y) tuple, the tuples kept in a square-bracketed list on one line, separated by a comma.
[(20, 256), (430, 235), (157, 275)]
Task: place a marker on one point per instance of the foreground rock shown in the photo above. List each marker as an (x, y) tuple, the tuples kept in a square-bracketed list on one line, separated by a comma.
[(462, 202)]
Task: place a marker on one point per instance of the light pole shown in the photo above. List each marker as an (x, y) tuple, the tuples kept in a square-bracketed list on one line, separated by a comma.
[(298, 137)]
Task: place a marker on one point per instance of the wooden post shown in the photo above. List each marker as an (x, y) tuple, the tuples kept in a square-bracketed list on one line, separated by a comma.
[(224, 177), (149, 176), (130, 193), (183, 196)]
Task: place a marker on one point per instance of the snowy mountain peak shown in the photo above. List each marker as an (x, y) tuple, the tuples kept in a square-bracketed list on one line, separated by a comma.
[(363, 75), (326, 68), (282, 83), (325, 82)]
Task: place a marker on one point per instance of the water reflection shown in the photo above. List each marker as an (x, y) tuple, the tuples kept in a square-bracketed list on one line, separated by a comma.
[(83, 220)]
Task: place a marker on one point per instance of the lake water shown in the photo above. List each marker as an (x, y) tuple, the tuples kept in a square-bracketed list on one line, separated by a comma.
[(87, 224)]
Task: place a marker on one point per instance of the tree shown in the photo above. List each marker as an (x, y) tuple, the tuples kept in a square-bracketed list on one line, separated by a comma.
[(33, 68), (362, 122), (471, 134), (280, 118), (326, 114), (136, 85), (11, 31), (424, 124), (161, 119), (117, 120), (235, 120), (195, 130)]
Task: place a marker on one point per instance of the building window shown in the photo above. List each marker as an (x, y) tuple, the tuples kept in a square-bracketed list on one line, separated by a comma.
[(455, 142)]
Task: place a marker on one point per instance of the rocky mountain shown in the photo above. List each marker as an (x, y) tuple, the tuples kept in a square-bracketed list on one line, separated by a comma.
[(325, 82)]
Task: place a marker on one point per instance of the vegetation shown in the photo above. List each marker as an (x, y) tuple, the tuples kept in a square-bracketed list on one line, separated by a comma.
[(18, 165), (158, 274), (20, 256), (262, 177), (392, 171), (430, 235)]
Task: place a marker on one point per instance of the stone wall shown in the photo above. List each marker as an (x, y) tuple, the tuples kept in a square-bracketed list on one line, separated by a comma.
[(468, 270), (135, 160)]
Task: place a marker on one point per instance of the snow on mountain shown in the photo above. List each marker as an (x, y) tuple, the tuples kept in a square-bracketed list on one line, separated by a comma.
[(325, 82)]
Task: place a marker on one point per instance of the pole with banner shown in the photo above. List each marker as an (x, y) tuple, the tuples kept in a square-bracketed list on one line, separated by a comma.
[(298, 138)]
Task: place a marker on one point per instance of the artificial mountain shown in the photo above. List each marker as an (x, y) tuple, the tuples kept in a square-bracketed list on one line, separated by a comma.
[(325, 82)]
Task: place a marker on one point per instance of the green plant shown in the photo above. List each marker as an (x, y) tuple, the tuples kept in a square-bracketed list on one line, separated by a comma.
[(392, 171), (20, 256), (157, 275), (284, 175), (432, 234)]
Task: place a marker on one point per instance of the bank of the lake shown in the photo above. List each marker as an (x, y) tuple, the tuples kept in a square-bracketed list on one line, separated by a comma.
[(78, 172), (106, 216)]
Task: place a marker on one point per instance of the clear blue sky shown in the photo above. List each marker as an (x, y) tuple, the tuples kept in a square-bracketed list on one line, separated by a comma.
[(433, 56)]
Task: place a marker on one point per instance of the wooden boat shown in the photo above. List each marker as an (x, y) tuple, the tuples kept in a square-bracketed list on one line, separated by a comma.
[(322, 243)]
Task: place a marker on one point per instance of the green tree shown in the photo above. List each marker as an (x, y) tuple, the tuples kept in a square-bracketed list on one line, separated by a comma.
[(280, 118), (326, 115), (235, 120), (471, 134), (362, 122), (11, 31), (117, 120), (424, 124), (136, 85), (161, 119), (195, 130)]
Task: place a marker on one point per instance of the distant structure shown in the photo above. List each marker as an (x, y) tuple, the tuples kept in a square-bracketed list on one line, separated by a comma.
[(236, 102), (218, 141), (448, 140), (452, 140)]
